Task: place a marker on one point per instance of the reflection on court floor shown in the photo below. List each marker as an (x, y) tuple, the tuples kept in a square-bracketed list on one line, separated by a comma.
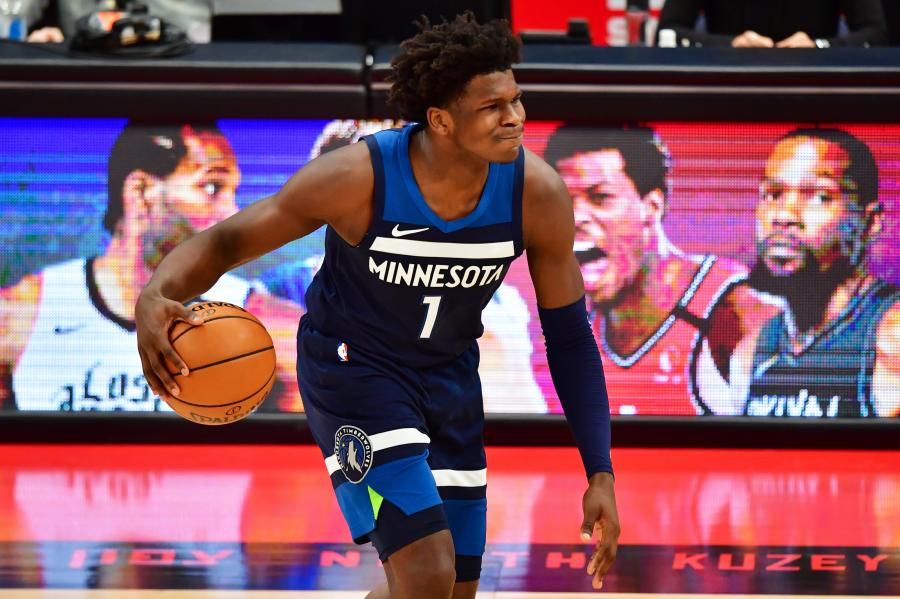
[(260, 522)]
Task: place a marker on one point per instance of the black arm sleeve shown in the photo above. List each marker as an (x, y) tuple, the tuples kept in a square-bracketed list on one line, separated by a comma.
[(865, 19), (577, 374)]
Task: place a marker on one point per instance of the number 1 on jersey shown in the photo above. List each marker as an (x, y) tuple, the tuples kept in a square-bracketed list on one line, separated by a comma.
[(432, 301)]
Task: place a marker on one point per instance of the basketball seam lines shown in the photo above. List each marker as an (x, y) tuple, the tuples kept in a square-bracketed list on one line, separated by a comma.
[(225, 360), (225, 405), (191, 327)]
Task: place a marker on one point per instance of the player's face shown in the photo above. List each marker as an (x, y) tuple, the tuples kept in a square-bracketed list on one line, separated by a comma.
[(199, 193), (611, 221), (488, 119), (805, 208), (202, 188)]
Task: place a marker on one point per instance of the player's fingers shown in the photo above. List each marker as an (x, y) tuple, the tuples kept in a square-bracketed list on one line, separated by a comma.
[(591, 512), (152, 380), (179, 313), (594, 562), (187, 315), (592, 569), (173, 357), (167, 382), (607, 548)]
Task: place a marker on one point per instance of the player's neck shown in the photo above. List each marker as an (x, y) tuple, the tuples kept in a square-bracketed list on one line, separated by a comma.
[(852, 287), (643, 306), (121, 274), (450, 179)]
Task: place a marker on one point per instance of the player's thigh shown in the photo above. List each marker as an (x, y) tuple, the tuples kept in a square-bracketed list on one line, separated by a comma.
[(426, 562), (457, 458), (368, 423)]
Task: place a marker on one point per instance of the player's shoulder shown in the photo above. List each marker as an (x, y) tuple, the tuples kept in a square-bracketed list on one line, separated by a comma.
[(333, 185), (888, 334), (352, 160), (891, 318), (18, 307), (26, 289), (749, 306), (543, 188), (729, 268)]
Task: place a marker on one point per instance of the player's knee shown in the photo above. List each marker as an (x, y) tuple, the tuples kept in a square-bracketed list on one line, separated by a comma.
[(427, 568), (437, 578), (436, 573)]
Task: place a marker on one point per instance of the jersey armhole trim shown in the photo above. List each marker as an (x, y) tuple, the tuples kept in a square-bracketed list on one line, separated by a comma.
[(518, 186), (97, 299), (377, 188)]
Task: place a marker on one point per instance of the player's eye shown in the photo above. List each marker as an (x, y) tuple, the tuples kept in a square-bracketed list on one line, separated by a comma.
[(598, 197), (211, 188), (770, 195), (821, 198)]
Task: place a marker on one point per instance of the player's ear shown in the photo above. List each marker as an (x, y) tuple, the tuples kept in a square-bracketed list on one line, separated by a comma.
[(439, 120), (141, 191), (874, 218), (655, 202)]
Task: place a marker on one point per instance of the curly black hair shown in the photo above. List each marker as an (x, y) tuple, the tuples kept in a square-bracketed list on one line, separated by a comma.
[(436, 64)]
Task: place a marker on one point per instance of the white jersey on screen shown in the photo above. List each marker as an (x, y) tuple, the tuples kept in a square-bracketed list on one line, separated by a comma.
[(82, 357)]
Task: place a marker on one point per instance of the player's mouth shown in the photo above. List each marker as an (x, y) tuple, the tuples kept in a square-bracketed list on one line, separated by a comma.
[(517, 138), (783, 247), (586, 252), (783, 253)]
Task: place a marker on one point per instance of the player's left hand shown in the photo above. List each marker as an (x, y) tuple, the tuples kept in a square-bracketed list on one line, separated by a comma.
[(798, 40), (600, 514)]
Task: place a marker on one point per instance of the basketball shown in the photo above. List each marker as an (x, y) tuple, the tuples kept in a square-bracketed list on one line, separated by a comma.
[(231, 360)]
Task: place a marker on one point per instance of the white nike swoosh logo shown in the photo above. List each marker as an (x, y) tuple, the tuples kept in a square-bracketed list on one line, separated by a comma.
[(398, 233)]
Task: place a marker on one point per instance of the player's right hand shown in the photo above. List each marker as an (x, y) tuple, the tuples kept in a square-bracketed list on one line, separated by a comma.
[(154, 315)]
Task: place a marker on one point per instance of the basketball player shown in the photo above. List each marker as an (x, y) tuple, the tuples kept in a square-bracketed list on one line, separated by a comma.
[(507, 378), (422, 224), (835, 352), (67, 342), (651, 304)]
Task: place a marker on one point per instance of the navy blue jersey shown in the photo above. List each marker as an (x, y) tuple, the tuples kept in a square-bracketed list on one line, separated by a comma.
[(832, 377), (413, 290)]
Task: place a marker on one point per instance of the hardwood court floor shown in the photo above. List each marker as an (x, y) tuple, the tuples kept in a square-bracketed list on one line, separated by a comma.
[(260, 522)]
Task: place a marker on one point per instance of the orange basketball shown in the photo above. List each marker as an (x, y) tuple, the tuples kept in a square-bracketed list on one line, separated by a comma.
[(231, 360)]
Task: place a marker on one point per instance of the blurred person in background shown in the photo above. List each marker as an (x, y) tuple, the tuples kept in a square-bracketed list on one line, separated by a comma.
[(666, 322), (892, 16), (776, 23), (67, 333), (56, 19), (835, 352)]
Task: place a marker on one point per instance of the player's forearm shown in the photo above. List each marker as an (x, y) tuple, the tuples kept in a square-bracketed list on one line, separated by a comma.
[(577, 373), (191, 268)]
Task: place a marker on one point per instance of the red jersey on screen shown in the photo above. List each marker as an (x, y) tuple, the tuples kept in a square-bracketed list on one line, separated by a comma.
[(654, 379)]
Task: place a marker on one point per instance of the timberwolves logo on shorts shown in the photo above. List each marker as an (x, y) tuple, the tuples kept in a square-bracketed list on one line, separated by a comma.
[(353, 451)]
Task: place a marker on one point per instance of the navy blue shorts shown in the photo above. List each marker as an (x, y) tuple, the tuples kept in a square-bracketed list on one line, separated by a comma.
[(403, 446)]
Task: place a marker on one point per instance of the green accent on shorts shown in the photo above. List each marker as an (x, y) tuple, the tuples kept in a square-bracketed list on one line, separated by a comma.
[(376, 500)]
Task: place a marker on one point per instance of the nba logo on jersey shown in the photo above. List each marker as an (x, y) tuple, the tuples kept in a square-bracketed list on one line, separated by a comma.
[(354, 452), (343, 352)]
